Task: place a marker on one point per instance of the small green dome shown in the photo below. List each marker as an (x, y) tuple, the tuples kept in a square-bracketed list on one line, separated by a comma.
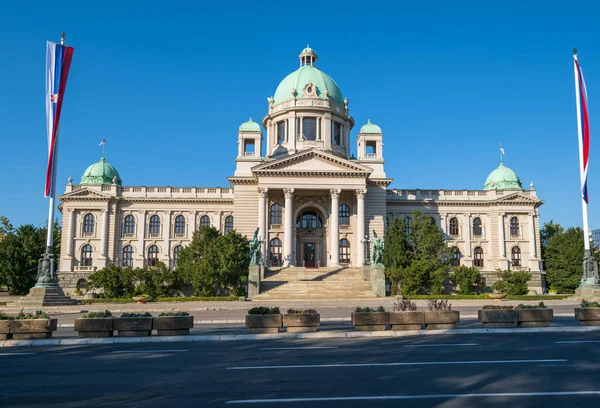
[(503, 178), (250, 126), (101, 173), (370, 128)]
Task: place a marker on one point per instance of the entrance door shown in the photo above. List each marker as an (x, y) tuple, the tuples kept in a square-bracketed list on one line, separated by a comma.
[(309, 255)]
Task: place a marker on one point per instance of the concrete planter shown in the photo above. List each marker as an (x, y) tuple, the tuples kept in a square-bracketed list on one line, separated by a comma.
[(498, 318), (260, 324), (441, 319), (133, 326), (301, 322), (32, 329), (95, 327), (173, 325), (407, 320), (370, 321), (535, 317), (588, 316), (5, 333)]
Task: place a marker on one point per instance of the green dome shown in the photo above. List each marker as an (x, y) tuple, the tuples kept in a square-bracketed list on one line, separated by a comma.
[(100, 173), (298, 79), (370, 128), (250, 126), (503, 178)]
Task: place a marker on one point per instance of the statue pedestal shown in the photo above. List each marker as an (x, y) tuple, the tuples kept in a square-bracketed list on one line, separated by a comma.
[(46, 296), (255, 274), (589, 292), (376, 277)]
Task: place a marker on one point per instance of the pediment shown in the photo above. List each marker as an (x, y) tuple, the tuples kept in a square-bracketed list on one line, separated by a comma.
[(518, 197), (84, 193), (311, 161)]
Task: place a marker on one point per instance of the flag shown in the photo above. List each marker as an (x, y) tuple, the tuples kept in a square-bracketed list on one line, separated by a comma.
[(501, 149), (583, 126), (103, 141), (58, 62)]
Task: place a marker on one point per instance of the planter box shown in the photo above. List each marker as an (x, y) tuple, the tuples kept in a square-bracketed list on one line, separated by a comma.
[(173, 325), (133, 326), (441, 319), (498, 318), (5, 333), (95, 327), (407, 320), (588, 316), (32, 328), (370, 321), (535, 317), (301, 323), (260, 324)]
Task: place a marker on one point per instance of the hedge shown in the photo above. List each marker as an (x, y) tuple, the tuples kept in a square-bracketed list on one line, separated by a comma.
[(164, 299)]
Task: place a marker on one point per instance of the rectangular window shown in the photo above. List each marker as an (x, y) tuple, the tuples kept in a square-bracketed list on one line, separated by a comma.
[(371, 148), (249, 148), (309, 128), (281, 132), (336, 134)]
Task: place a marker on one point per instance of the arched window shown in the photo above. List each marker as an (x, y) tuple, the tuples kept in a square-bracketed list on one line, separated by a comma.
[(88, 224), (275, 252), (155, 225), (344, 251), (407, 226), (516, 256), (128, 255), (129, 225), (180, 225), (344, 215), (176, 252), (228, 224), (82, 285), (477, 229), (276, 214), (455, 259), (453, 226), (205, 221), (514, 226), (310, 219), (86, 255), (478, 257), (152, 255)]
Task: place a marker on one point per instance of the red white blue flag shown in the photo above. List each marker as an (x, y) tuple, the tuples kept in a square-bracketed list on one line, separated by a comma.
[(584, 127), (58, 62)]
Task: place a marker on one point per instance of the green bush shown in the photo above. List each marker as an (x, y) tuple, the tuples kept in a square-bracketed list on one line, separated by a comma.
[(140, 314), (116, 282), (369, 309), (6, 317), (30, 316), (512, 282), (264, 310), (540, 305), (173, 313), (586, 304), (465, 278), (93, 315), (301, 311)]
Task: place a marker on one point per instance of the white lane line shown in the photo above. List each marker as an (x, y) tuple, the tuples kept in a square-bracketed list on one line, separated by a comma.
[(417, 397), (15, 354), (147, 351), (576, 341), (296, 348), (440, 345), (419, 363)]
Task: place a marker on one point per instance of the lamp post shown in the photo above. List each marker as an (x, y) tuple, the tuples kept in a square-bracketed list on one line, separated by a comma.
[(367, 243)]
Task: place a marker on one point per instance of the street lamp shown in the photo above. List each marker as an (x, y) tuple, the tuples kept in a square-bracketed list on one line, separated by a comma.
[(367, 243)]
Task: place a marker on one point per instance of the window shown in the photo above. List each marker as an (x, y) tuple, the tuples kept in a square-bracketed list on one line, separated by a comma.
[(336, 133), (86, 255), (204, 221), (228, 224), (180, 225), (344, 215), (176, 252), (275, 214), (477, 229), (275, 252), (516, 256), (281, 132), (309, 128), (371, 150), (478, 257), (129, 225), (155, 225), (128, 255), (88, 224), (310, 220), (514, 226), (453, 226), (407, 227), (344, 251), (455, 260), (152, 255), (249, 148)]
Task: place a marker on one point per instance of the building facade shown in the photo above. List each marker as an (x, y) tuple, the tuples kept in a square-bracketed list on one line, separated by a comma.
[(313, 202)]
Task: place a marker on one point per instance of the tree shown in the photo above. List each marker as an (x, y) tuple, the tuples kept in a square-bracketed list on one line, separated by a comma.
[(564, 259), (396, 252), (5, 226), (548, 231), (465, 277), (234, 262)]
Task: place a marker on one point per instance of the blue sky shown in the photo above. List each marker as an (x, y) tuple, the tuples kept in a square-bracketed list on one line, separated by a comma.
[(168, 83)]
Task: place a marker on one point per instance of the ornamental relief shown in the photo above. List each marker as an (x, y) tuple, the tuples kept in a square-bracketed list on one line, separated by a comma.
[(322, 201)]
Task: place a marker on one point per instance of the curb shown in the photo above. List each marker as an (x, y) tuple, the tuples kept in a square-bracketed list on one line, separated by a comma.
[(286, 336)]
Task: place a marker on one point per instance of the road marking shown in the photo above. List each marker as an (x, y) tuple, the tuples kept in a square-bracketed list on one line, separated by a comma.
[(15, 354), (441, 345), (576, 341), (296, 348), (147, 351), (416, 397), (419, 363)]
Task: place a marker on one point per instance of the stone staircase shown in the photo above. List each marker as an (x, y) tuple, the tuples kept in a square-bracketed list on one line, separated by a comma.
[(331, 283)]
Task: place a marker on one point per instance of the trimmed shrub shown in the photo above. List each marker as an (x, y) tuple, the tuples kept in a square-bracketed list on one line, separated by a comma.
[(512, 282), (140, 314), (173, 314), (540, 305), (93, 315), (369, 309), (586, 304), (264, 310), (301, 311), (465, 278)]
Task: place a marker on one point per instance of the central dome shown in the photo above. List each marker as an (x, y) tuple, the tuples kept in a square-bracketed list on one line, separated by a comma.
[(307, 72), (503, 178), (101, 173)]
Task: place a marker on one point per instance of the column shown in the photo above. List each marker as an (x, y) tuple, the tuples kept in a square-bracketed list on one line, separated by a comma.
[(360, 226), (288, 234), (467, 233), (532, 236), (262, 220), (141, 234), (334, 227), (71, 232), (443, 224), (167, 236), (501, 235), (301, 134), (104, 233)]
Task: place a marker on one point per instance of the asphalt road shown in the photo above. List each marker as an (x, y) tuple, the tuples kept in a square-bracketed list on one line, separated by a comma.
[(517, 370)]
